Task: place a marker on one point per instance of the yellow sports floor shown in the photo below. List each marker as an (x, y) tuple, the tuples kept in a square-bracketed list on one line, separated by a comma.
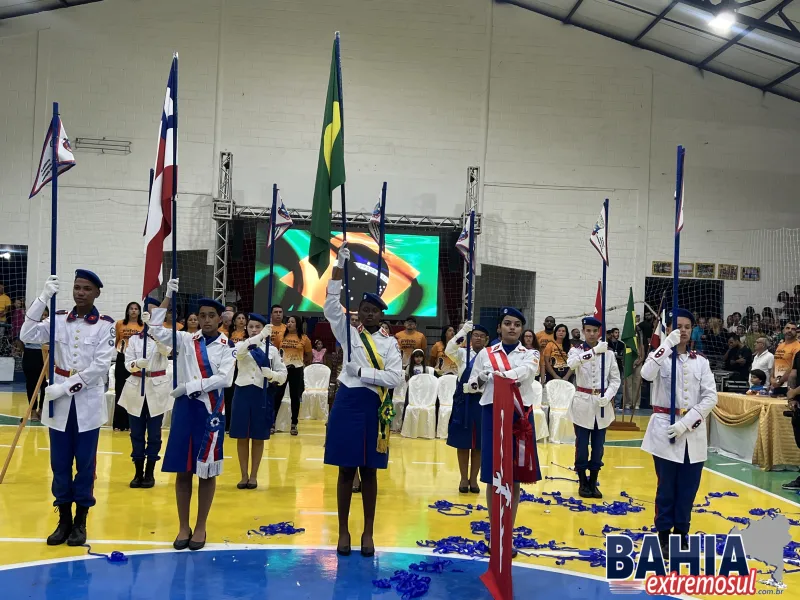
[(295, 486)]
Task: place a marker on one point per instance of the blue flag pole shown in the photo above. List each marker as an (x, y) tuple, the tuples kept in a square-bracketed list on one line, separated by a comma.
[(54, 139), (174, 225), (273, 215), (342, 191), (381, 241), (603, 316), (470, 276), (144, 306), (675, 270)]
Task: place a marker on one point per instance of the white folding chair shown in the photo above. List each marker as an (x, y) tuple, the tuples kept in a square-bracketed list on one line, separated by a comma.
[(445, 390), (283, 420), (539, 418), (559, 394), (420, 418), (314, 404), (399, 403)]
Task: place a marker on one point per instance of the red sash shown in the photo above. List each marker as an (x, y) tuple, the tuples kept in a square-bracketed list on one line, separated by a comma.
[(525, 467)]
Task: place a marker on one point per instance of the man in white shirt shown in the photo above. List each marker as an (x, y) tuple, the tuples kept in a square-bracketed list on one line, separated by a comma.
[(762, 358)]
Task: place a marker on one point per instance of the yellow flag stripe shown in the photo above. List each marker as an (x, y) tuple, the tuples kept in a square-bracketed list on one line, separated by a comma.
[(331, 132)]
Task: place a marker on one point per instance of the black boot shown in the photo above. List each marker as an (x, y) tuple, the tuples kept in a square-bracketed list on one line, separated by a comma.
[(593, 484), (78, 535), (684, 537), (149, 480), (584, 491), (62, 532), (663, 540), (136, 482)]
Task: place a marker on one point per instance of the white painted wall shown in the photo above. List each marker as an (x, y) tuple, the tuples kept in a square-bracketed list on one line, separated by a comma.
[(557, 118)]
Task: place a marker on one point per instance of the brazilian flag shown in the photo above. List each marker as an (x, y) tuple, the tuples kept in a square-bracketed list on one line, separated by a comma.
[(330, 171), (629, 337)]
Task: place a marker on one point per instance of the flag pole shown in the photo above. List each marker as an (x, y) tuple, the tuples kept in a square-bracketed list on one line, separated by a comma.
[(470, 276), (273, 216), (174, 227), (342, 191), (603, 317), (144, 331), (675, 269), (54, 139), (381, 241)]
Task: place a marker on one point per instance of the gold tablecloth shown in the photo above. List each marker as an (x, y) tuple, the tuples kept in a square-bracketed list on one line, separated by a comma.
[(775, 444)]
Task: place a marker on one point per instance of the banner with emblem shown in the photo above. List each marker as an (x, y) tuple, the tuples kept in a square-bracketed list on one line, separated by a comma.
[(66, 160), (282, 222), (598, 237), (374, 225)]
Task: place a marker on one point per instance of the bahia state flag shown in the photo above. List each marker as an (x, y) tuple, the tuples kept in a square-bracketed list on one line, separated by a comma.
[(374, 225), (282, 222), (463, 243), (598, 237), (65, 158)]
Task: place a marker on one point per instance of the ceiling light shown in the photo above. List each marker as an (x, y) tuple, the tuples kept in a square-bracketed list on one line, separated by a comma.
[(6, 255), (723, 21)]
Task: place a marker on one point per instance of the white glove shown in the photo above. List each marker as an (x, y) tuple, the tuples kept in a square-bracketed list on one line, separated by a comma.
[(468, 389), (268, 373), (178, 391), (600, 347), (343, 255), (485, 376), (352, 369), (265, 333), (676, 430), (468, 327), (50, 288), (142, 363), (673, 339), (602, 401), (146, 317), (172, 287), (55, 391)]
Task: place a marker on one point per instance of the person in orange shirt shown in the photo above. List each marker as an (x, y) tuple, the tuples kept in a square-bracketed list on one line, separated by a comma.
[(546, 335), (236, 332), (168, 320), (443, 364), (784, 357), (410, 339), (192, 323), (124, 329), (238, 328), (278, 326), (296, 352)]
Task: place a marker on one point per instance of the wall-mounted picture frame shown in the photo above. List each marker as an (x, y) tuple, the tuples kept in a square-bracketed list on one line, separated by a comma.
[(662, 268), (751, 273), (705, 270), (686, 270), (729, 272)]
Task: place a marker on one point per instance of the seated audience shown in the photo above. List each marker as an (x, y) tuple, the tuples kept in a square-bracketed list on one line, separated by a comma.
[(758, 379), (763, 359)]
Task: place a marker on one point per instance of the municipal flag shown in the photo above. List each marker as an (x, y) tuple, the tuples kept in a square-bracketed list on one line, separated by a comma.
[(629, 337), (374, 225), (159, 210), (598, 237), (66, 160), (282, 222), (330, 172), (679, 225), (463, 242), (598, 305), (660, 330)]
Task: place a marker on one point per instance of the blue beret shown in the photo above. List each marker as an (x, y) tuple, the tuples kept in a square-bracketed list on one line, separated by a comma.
[(374, 299), (591, 322), (482, 329), (220, 308), (510, 311), (681, 312), (257, 318), (88, 276), (150, 300)]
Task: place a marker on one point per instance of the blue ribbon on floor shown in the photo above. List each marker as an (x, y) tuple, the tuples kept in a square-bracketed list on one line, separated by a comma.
[(562, 479), (282, 528), (455, 544), (450, 509), (711, 495), (411, 585), (615, 508), (115, 557)]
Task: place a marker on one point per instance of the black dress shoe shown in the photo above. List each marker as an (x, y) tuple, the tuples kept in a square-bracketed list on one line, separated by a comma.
[(241, 486), (474, 489), (343, 551), (463, 489), (367, 552), (251, 486), (197, 545), (182, 544)]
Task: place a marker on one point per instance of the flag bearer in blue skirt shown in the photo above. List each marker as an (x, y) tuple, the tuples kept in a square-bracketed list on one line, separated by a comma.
[(252, 413), (84, 347), (205, 362), (678, 464), (464, 429), (358, 426)]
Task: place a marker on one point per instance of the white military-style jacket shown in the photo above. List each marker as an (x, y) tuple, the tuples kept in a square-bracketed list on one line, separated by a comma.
[(158, 378), (584, 410), (249, 368)]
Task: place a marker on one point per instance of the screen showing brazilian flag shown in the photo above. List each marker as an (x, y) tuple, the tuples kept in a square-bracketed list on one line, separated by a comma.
[(409, 272)]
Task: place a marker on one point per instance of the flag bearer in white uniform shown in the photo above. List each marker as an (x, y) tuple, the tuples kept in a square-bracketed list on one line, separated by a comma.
[(590, 412), (205, 362), (84, 348), (679, 465), (146, 411)]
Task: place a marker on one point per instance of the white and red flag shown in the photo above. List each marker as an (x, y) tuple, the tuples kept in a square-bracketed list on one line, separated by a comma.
[(282, 223), (66, 160), (159, 210)]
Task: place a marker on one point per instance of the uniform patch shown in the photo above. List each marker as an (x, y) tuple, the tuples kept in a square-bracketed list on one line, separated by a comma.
[(61, 312), (697, 424), (76, 388), (660, 353), (195, 395), (110, 342), (587, 356)]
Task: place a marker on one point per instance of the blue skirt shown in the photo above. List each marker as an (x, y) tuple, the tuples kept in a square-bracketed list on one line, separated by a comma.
[(464, 429), (252, 413), (186, 432), (487, 429), (352, 438)]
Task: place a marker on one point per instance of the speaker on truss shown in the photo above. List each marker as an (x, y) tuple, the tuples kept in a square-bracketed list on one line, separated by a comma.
[(236, 240)]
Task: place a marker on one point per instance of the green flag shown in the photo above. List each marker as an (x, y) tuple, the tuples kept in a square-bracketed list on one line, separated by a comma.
[(629, 337), (330, 173)]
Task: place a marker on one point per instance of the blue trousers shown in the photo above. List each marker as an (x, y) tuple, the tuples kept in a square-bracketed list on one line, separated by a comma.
[(140, 425), (582, 437), (677, 487), (68, 447)]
